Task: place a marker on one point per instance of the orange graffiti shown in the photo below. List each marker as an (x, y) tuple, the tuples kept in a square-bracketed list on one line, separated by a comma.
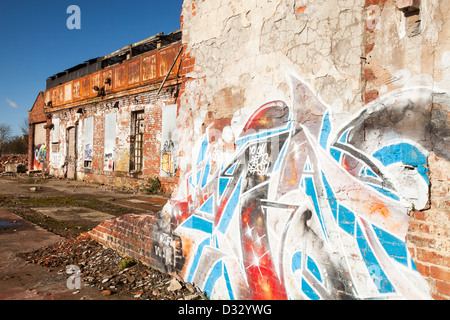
[(379, 208), (293, 173)]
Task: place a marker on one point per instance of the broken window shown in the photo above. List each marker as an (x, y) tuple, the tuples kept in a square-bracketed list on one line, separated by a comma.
[(137, 140)]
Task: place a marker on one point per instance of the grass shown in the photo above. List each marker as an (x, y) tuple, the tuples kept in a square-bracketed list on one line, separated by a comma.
[(23, 207)]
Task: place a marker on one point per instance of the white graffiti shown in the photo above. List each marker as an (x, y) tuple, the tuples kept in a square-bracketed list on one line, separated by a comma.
[(258, 162)]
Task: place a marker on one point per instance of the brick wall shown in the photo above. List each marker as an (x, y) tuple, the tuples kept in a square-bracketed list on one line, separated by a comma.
[(142, 237), (121, 175), (131, 235), (428, 236)]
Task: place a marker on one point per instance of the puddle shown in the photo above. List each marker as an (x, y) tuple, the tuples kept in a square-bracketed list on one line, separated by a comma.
[(10, 224)]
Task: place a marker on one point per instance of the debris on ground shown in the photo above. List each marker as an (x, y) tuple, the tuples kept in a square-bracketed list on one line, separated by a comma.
[(103, 268), (19, 159)]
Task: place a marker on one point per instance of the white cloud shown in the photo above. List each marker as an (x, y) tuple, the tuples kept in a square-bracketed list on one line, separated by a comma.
[(11, 103)]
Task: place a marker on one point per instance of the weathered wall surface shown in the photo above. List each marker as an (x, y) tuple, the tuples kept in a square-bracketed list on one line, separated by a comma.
[(314, 157), (406, 50)]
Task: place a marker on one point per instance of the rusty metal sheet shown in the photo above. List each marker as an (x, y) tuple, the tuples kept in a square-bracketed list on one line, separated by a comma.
[(134, 72), (150, 67), (85, 84), (120, 77), (76, 89)]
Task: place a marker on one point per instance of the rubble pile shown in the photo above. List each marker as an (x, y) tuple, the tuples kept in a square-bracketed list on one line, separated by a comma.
[(13, 159), (105, 269)]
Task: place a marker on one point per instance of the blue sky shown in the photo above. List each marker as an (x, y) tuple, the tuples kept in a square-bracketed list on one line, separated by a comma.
[(35, 42)]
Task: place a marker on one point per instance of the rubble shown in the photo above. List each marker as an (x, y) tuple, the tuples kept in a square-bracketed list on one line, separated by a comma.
[(13, 159), (100, 267)]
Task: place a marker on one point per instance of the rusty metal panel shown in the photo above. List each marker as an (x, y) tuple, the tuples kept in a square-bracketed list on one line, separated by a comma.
[(120, 77), (134, 72), (60, 97), (141, 70), (96, 81), (76, 90), (68, 92), (108, 74), (149, 67), (167, 56), (85, 84), (53, 95)]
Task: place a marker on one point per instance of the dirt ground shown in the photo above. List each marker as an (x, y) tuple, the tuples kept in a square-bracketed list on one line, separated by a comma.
[(39, 214)]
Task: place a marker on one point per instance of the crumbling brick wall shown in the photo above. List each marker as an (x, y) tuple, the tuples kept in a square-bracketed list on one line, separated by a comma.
[(121, 175)]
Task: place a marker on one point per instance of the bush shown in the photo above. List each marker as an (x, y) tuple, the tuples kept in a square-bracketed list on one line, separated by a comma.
[(153, 186)]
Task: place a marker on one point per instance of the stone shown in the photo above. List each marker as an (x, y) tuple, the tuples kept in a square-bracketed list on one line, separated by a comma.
[(190, 287), (174, 285), (130, 278)]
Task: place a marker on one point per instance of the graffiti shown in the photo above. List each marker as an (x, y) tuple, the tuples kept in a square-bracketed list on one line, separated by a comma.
[(40, 156), (109, 162), (88, 139), (310, 207), (167, 247), (169, 138), (258, 160), (88, 152), (168, 159)]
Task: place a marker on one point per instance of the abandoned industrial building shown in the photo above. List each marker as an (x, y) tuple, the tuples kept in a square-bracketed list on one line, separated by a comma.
[(112, 119), (305, 144)]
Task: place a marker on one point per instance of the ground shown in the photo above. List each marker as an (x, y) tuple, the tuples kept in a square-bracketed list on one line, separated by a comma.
[(41, 220)]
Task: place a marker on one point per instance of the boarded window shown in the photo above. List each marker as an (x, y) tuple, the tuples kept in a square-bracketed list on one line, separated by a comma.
[(88, 150), (55, 130), (110, 141)]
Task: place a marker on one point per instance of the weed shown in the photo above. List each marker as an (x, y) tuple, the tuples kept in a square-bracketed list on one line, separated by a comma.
[(126, 263), (153, 186)]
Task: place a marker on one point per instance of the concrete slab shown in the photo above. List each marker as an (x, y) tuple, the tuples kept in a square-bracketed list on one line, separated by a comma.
[(20, 280), (74, 213)]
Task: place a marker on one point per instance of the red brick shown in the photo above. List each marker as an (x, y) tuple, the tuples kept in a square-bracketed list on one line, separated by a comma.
[(429, 256), (369, 74), (443, 288), (370, 96), (419, 215), (439, 273), (424, 270)]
